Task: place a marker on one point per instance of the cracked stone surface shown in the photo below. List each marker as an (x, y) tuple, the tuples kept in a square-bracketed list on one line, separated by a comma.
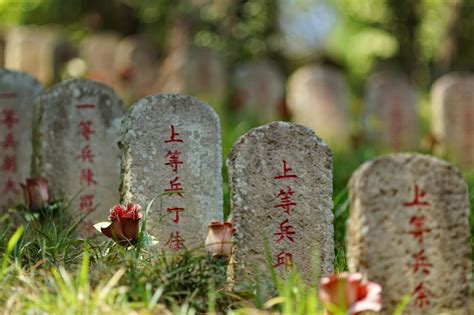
[(153, 160), (76, 133), (17, 96), (408, 230), (258, 194)]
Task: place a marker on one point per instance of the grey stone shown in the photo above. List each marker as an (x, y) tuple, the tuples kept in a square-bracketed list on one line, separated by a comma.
[(408, 230), (259, 90), (391, 118), (318, 98), (453, 117), (17, 97), (154, 161), (264, 204), (76, 131)]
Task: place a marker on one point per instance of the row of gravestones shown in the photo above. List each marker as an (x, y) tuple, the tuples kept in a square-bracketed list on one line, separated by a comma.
[(409, 221), (317, 96)]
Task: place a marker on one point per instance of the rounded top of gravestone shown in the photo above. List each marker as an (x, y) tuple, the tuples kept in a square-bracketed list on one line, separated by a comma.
[(79, 87), (15, 76), (277, 128), (451, 79), (178, 101)]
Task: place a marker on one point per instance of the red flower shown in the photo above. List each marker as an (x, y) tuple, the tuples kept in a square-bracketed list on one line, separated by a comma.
[(348, 293), (219, 239), (35, 193), (125, 224)]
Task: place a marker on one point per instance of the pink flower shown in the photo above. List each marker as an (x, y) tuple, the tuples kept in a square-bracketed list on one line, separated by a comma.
[(219, 239), (348, 293), (35, 193), (125, 224)]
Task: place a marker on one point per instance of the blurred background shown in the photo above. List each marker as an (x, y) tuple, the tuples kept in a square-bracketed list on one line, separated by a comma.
[(370, 77)]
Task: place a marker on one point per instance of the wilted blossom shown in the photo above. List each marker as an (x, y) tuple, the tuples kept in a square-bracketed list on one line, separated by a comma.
[(124, 227), (36, 193), (349, 294), (219, 239)]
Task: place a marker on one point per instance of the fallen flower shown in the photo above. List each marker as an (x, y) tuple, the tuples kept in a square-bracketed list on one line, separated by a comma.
[(349, 294), (219, 239), (36, 193), (124, 227)]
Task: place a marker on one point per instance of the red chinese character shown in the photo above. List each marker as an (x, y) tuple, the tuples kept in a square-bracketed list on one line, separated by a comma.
[(177, 211), (175, 242), (9, 142), (7, 95), (421, 263), (421, 295), (286, 231), (10, 187), (418, 222), (86, 154), (284, 259), (9, 164), (175, 187), (419, 194), (86, 129), (87, 202), (9, 118), (286, 203), (173, 160), (85, 106), (286, 171), (173, 136), (87, 177)]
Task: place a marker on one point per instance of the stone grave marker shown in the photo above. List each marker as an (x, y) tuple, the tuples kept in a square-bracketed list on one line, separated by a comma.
[(17, 97), (98, 51), (195, 71), (280, 177), (171, 145), (76, 133), (453, 117), (31, 49), (318, 98), (409, 231), (391, 118), (259, 90)]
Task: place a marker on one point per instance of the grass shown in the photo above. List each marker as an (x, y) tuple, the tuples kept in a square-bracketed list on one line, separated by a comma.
[(47, 269)]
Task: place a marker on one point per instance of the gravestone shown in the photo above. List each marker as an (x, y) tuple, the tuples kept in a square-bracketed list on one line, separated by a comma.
[(280, 177), (391, 118), (171, 145), (318, 98), (195, 71), (76, 131), (98, 51), (259, 90), (17, 97), (453, 117), (409, 231), (136, 63)]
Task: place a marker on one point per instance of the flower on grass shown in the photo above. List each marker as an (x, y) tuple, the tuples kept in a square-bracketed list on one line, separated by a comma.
[(349, 294), (219, 239), (124, 225), (36, 193)]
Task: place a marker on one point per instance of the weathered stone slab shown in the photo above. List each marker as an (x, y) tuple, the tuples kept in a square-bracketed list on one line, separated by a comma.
[(453, 117), (280, 178), (31, 49), (409, 231), (259, 90), (75, 132), (318, 98), (391, 116), (98, 50), (17, 97), (171, 144)]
